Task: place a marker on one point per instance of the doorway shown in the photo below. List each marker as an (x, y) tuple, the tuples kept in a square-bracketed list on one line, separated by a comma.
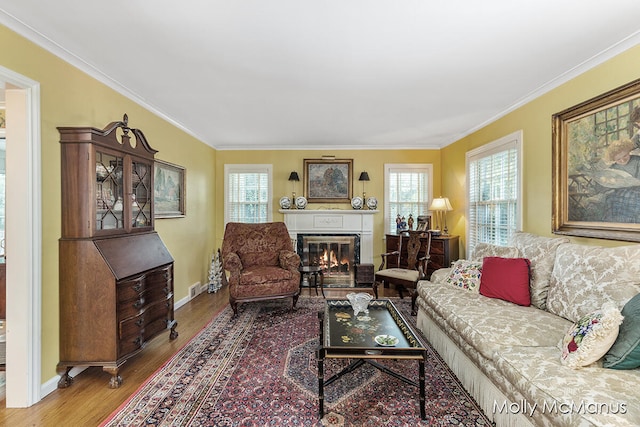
[(3, 265), (23, 239)]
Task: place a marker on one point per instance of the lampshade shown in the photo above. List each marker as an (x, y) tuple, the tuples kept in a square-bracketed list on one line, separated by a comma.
[(364, 176), (294, 176), (441, 204)]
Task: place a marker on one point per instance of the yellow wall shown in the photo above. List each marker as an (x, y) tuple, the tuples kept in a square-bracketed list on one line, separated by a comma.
[(534, 119), (285, 161), (71, 98)]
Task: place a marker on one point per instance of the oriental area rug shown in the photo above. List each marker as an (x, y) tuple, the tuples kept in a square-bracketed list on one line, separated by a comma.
[(260, 369)]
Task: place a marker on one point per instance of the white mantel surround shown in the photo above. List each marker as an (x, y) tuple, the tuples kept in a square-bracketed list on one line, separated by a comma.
[(338, 221)]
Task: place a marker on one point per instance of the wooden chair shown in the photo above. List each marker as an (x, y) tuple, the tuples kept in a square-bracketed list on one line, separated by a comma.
[(416, 270)]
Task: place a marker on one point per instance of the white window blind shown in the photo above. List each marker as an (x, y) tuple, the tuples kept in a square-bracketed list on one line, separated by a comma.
[(248, 193), (408, 190), (493, 184)]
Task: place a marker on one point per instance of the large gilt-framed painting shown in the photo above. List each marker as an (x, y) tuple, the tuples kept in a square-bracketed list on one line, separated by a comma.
[(596, 166), (328, 180)]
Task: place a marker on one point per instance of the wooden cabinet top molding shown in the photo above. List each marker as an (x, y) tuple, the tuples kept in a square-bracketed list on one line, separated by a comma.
[(110, 137)]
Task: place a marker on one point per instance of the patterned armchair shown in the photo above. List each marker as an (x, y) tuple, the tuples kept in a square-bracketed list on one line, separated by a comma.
[(261, 263)]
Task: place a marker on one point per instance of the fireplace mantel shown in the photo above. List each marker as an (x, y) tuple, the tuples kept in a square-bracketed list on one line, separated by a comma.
[(338, 221)]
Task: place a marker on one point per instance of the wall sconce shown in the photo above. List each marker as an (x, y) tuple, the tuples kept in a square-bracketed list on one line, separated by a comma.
[(439, 206), (364, 176), (293, 176)]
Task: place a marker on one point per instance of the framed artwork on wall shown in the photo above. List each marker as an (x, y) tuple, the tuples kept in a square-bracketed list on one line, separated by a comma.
[(328, 180), (596, 166), (169, 190)]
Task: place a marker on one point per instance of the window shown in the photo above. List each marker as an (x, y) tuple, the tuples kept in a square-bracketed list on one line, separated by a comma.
[(247, 193), (493, 186), (407, 190)]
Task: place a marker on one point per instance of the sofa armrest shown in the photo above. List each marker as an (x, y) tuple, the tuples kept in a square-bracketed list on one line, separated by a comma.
[(440, 275), (289, 260), (232, 263)]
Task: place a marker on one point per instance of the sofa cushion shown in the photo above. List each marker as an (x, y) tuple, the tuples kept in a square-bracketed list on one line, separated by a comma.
[(541, 252), (466, 275), (561, 394), (625, 353), (482, 250), (507, 279), (487, 323), (586, 277), (591, 337)]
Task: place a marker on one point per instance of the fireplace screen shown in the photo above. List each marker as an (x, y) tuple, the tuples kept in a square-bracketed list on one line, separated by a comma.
[(335, 254)]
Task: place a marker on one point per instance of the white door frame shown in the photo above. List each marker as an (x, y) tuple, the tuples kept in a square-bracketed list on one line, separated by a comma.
[(23, 240)]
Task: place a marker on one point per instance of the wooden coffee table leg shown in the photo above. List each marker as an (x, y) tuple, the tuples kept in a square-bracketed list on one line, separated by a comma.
[(320, 356), (423, 412)]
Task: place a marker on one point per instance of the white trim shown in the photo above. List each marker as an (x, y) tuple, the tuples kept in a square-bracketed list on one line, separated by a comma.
[(513, 140), (24, 243)]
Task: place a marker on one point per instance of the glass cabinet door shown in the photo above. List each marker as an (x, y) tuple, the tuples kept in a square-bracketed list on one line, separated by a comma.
[(109, 192), (141, 194)]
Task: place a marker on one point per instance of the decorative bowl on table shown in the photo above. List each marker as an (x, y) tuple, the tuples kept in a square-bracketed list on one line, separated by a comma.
[(386, 340), (359, 302)]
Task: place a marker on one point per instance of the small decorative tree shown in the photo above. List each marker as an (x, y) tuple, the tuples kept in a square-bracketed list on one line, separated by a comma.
[(215, 273)]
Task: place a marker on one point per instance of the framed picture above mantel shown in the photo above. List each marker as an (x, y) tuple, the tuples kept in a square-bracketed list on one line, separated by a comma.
[(596, 166), (328, 180)]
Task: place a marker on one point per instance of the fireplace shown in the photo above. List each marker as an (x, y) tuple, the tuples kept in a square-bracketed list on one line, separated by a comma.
[(335, 254), (331, 224)]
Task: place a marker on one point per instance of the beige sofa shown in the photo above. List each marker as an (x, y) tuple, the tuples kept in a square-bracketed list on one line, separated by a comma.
[(508, 356)]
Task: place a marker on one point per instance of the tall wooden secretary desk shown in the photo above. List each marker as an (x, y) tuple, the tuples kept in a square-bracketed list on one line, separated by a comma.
[(116, 275)]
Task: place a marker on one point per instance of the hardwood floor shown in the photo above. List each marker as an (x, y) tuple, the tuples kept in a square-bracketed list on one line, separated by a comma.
[(89, 400)]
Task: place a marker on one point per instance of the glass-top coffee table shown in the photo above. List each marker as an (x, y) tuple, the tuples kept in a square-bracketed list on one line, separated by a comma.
[(345, 336)]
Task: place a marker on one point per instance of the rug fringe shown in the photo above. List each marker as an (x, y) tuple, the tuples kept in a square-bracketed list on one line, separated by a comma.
[(472, 378)]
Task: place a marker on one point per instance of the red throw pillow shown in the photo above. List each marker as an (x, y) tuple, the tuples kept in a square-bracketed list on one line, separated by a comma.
[(506, 279)]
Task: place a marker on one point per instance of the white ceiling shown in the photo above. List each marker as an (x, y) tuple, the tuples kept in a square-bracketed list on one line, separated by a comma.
[(329, 74)]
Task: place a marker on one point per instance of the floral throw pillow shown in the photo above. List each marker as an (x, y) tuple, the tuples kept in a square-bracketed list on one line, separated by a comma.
[(466, 275), (591, 337)]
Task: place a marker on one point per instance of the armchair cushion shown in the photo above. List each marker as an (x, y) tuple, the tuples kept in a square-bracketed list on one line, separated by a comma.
[(254, 258)]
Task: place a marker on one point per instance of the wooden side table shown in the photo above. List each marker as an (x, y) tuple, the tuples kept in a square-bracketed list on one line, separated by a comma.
[(364, 274), (315, 271)]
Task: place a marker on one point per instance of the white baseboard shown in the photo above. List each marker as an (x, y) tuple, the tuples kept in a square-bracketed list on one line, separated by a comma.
[(51, 385)]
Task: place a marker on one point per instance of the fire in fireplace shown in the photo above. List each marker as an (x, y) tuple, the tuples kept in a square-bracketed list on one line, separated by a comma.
[(337, 255)]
